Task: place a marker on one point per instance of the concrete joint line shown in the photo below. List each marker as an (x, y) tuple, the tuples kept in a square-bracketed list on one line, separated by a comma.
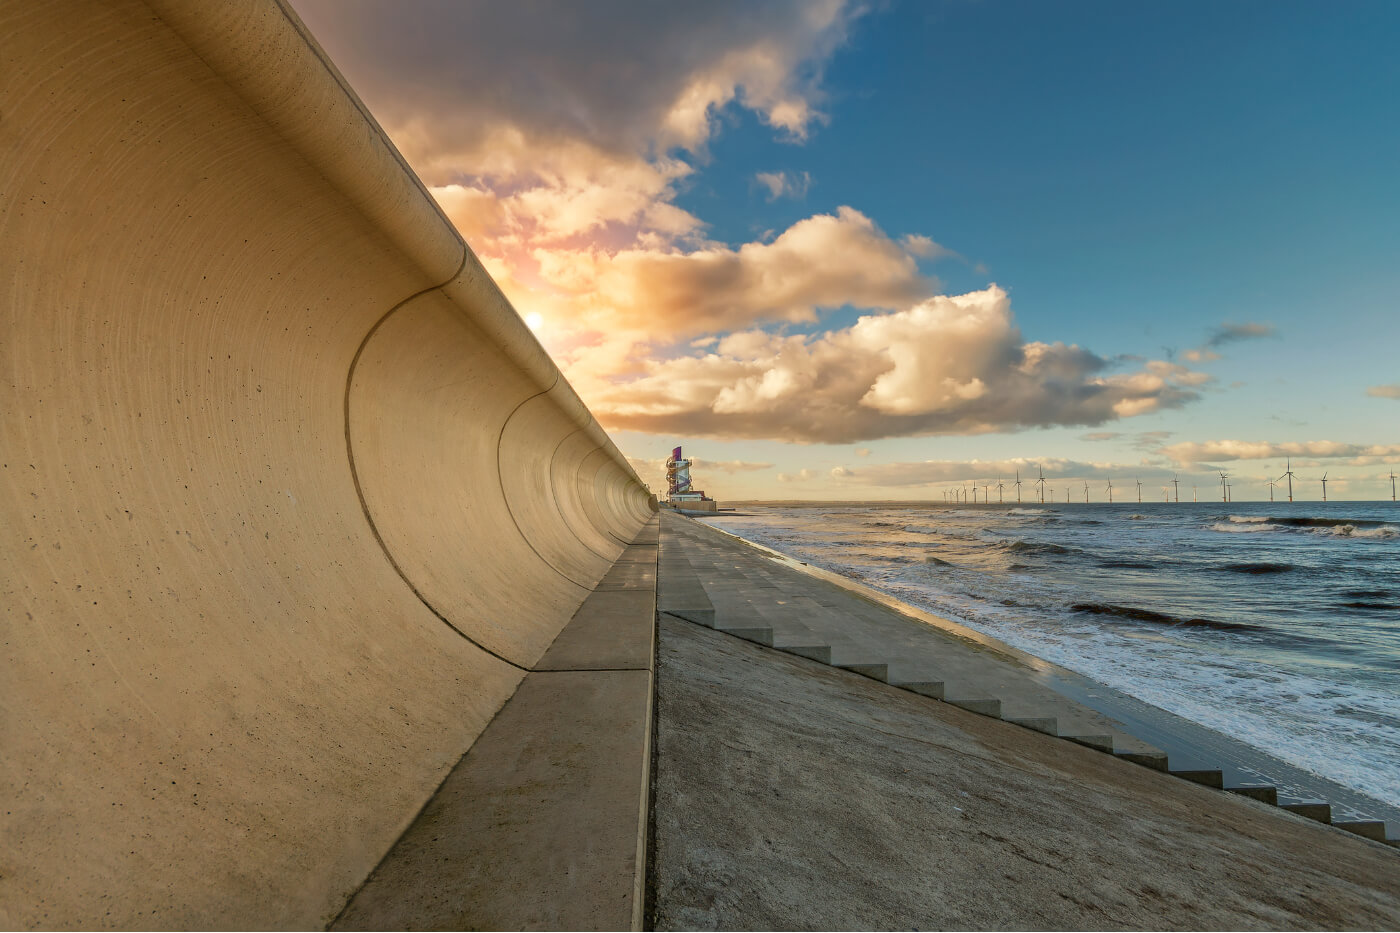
[(355, 473), (586, 670), (554, 492), (514, 521)]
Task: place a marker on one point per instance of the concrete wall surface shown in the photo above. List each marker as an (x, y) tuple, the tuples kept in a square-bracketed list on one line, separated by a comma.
[(290, 498)]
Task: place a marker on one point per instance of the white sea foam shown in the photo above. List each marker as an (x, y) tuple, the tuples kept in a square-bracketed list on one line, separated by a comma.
[(1242, 529), (1021, 511), (1351, 531), (1248, 519)]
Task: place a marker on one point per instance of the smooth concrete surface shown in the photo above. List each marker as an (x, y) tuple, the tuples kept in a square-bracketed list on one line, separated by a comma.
[(543, 825), (293, 499), (816, 614), (754, 597), (531, 831), (793, 795)]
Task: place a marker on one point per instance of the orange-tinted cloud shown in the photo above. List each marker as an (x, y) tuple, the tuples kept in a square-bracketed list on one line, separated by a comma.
[(947, 365)]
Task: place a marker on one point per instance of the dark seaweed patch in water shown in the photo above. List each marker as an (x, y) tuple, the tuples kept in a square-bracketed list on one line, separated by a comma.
[(1159, 618), (937, 561), (1020, 567), (1367, 594), (1258, 568), (1361, 604), (1127, 565)]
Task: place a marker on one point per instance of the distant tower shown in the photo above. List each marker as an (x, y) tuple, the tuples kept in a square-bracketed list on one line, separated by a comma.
[(679, 492), (677, 474)]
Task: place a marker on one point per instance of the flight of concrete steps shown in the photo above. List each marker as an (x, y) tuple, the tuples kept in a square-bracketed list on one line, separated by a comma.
[(712, 579)]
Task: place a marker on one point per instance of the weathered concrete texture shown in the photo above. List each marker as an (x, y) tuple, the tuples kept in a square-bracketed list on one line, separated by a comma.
[(714, 579), (273, 444), (790, 795), (543, 824), (533, 830)]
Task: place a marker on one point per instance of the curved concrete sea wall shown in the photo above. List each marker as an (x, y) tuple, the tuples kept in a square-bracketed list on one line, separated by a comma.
[(291, 499)]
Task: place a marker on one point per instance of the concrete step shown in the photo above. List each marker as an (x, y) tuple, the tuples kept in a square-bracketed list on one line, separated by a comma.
[(1369, 829), (1318, 810), (1264, 793), (1207, 776)]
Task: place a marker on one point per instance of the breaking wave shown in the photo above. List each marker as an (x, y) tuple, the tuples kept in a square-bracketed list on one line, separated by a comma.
[(1161, 618), (1257, 568)]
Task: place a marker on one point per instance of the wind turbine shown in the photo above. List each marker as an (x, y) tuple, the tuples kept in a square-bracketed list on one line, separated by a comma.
[(1018, 487), (1271, 485), (1139, 484), (1223, 495), (1110, 490), (1288, 472), (987, 493), (1392, 485), (1324, 487), (1000, 486), (1041, 482), (1086, 493), (1176, 487)]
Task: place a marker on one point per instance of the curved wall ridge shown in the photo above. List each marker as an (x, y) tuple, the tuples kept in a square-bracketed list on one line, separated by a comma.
[(267, 426)]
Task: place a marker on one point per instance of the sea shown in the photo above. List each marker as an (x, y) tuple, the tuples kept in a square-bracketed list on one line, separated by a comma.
[(1276, 623)]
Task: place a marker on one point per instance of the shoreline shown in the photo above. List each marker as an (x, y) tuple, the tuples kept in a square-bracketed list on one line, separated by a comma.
[(1190, 745)]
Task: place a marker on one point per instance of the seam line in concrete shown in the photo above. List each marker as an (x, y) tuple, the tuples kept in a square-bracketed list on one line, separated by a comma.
[(355, 473), (554, 493), (502, 483), (586, 670), (418, 814)]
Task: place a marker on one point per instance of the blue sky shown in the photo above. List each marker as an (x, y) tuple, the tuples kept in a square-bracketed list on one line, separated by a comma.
[(1136, 179)]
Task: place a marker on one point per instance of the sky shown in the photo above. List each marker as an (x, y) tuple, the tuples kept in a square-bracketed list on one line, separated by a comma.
[(863, 251)]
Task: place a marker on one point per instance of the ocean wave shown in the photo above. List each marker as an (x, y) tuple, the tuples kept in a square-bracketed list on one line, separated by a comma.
[(1135, 517), (1357, 530), (1020, 511), (1308, 521), (1020, 546), (1257, 568), (1241, 529), (1364, 604), (937, 561), (1127, 565), (1160, 618)]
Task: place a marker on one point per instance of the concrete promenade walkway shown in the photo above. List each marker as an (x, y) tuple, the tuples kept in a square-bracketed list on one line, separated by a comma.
[(542, 824), (823, 784), (717, 580), (794, 795)]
